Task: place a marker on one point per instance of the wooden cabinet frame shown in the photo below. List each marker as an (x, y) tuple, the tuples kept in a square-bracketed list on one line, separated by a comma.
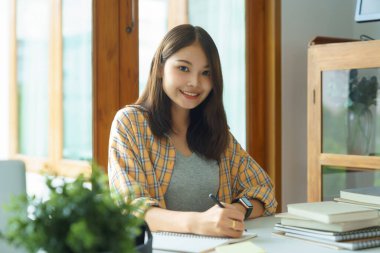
[(333, 56)]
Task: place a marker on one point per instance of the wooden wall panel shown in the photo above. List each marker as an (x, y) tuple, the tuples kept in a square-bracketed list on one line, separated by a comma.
[(115, 67), (263, 86), (106, 74), (255, 90), (129, 53)]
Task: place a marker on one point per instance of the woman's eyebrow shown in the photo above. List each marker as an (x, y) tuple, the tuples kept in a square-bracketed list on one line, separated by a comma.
[(185, 61), (188, 62)]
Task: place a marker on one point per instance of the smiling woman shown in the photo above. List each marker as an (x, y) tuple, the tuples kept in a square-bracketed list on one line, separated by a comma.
[(247, 31), (173, 145)]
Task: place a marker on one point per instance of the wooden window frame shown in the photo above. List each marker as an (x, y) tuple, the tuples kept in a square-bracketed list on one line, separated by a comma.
[(54, 162), (116, 77)]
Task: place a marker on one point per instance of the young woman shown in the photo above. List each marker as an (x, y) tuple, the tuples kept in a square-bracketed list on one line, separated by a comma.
[(172, 148)]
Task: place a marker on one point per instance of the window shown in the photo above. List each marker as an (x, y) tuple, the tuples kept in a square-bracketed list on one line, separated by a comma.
[(52, 93), (32, 79), (153, 25), (77, 79), (5, 47)]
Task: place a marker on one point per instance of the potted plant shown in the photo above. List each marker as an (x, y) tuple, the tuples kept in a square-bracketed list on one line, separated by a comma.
[(79, 216)]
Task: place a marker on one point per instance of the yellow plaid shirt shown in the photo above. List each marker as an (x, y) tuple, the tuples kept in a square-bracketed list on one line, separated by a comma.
[(140, 165)]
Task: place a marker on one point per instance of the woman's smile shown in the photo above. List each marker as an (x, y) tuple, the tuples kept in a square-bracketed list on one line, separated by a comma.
[(189, 95)]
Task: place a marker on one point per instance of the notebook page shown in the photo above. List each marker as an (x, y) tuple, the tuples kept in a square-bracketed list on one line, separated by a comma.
[(192, 243)]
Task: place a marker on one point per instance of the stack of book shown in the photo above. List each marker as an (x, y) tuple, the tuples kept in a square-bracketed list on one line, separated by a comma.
[(367, 196), (332, 224)]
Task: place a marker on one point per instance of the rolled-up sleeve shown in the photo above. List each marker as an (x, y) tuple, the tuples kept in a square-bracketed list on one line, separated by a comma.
[(251, 180), (255, 183)]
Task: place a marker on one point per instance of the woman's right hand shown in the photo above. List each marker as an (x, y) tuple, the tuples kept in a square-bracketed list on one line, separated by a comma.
[(217, 221)]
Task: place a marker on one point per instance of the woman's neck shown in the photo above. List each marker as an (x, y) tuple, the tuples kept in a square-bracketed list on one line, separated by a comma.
[(180, 120)]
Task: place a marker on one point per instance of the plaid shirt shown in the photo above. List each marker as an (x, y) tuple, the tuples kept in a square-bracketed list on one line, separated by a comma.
[(140, 165)]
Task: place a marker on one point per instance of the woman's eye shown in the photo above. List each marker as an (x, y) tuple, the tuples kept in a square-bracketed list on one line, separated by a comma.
[(206, 73), (183, 68)]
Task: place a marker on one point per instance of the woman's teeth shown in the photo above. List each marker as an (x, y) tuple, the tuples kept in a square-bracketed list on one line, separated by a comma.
[(190, 93)]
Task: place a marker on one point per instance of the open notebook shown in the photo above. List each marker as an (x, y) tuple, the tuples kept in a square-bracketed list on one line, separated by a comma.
[(192, 243)]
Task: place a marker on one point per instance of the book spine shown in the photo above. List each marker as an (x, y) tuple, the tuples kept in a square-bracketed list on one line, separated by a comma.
[(366, 244), (366, 234)]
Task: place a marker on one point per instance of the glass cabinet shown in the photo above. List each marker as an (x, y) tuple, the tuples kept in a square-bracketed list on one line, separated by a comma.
[(343, 117)]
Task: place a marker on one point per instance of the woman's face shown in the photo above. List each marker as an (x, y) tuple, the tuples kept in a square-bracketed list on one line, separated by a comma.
[(186, 77)]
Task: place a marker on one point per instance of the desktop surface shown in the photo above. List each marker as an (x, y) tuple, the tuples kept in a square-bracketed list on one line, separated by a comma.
[(263, 227)]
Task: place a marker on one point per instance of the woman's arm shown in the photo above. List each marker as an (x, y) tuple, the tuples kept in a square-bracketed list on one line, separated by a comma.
[(126, 173), (252, 181), (216, 221)]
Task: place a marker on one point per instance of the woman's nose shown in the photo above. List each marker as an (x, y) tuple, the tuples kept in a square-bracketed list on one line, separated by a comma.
[(193, 81)]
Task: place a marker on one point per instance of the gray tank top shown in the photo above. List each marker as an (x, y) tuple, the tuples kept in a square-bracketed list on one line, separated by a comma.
[(193, 179)]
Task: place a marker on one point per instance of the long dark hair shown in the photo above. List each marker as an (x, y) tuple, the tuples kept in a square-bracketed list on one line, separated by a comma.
[(207, 134)]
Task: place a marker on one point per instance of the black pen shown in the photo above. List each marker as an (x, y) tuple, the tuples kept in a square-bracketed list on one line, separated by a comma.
[(216, 201)]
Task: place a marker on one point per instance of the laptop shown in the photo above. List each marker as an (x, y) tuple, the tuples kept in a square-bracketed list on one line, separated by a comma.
[(12, 183)]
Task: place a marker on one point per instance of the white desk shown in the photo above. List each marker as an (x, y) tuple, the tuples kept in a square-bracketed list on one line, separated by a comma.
[(263, 227)]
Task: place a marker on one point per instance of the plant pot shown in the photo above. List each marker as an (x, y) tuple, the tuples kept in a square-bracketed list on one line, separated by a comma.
[(144, 240)]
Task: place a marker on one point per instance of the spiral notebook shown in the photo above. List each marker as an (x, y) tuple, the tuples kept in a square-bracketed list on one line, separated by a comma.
[(192, 243), (331, 236), (358, 244)]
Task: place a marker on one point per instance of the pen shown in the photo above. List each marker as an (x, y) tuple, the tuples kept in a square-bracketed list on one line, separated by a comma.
[(216, 201)]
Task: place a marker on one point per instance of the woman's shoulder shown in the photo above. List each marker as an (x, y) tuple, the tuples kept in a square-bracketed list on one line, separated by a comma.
[(233, 148), (133, 113), (231, 140)]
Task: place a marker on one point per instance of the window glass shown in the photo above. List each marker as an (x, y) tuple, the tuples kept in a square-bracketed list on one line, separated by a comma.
[(350, 111), (77, 79), (153, 25), (224, 20), (336, 178), (5, 28), (32, 34)]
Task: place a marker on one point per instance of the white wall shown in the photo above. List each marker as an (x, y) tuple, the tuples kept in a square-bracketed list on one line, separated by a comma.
[(371, 29), (302, 20), (4, 77)]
